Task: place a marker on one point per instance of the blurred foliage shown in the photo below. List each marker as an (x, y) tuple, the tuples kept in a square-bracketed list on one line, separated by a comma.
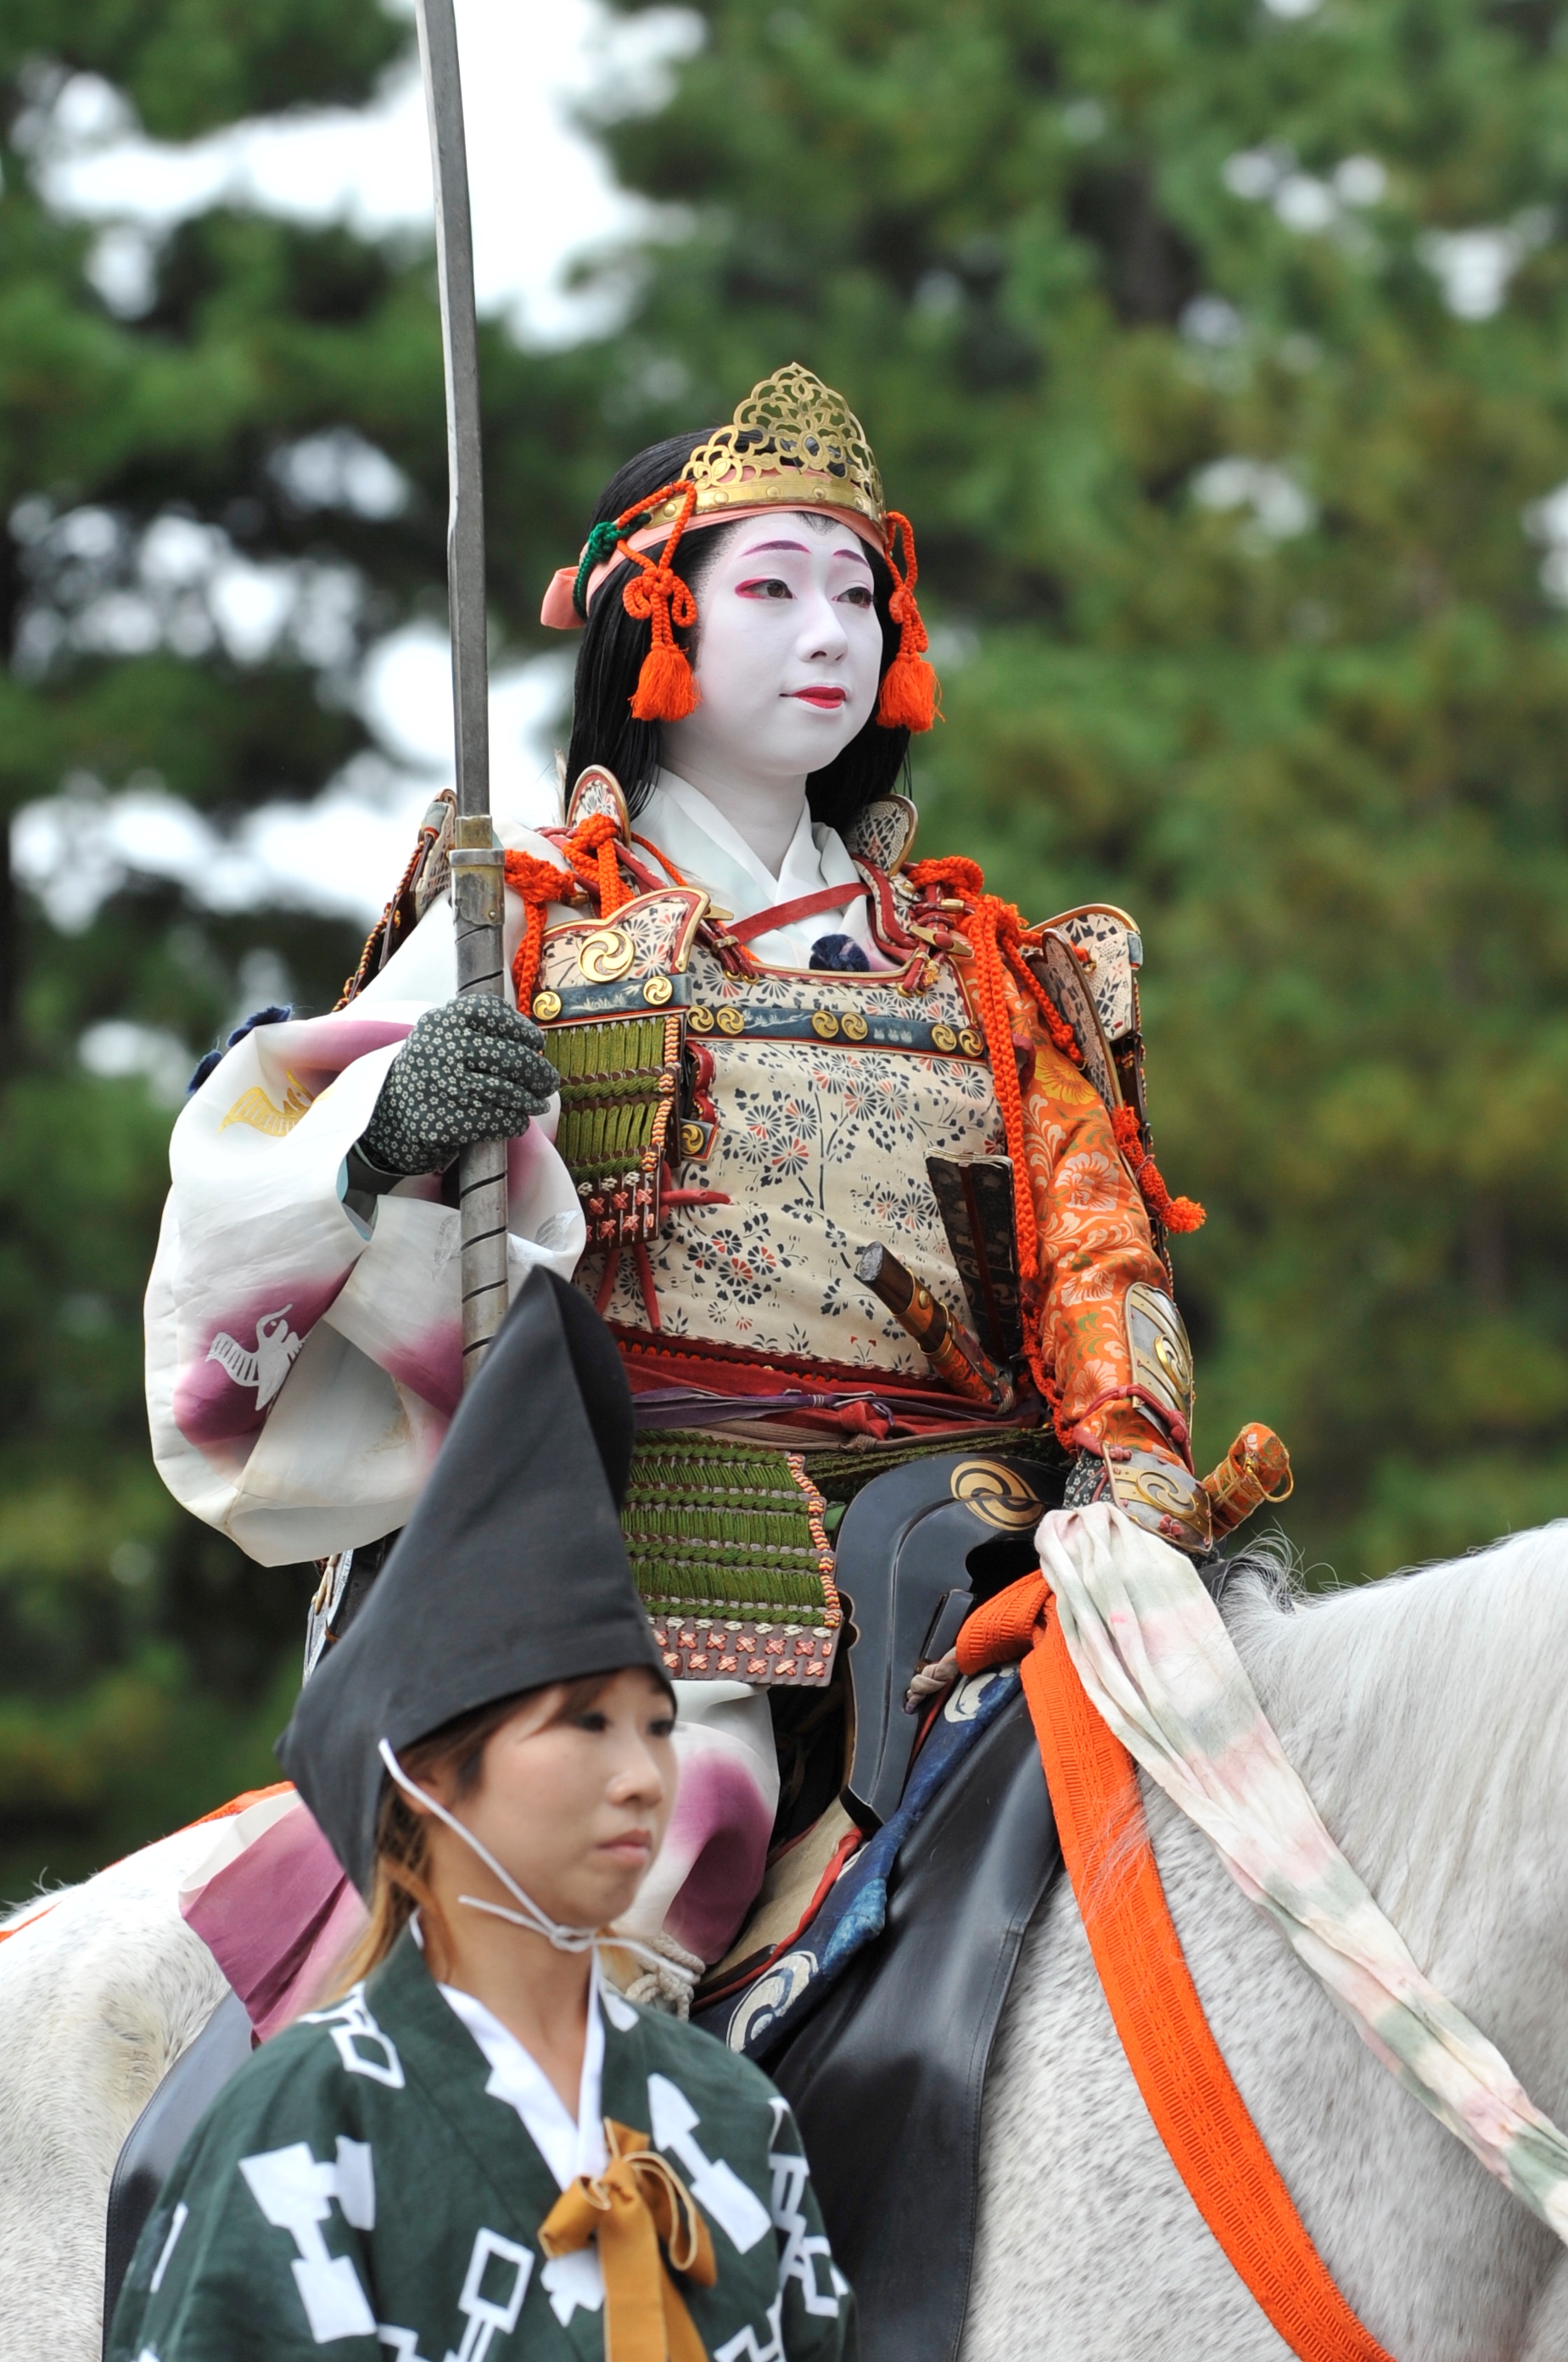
[(1219, 355), (145, 1665)]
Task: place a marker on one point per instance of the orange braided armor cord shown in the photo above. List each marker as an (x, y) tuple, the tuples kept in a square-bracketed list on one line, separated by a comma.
[(658, 596), (1175, 1213), (964, 881), (1175, 2061), (1256, 1469), (911, 694), (635, 2207), (1083, 1233), (537, 884), (591, 850)]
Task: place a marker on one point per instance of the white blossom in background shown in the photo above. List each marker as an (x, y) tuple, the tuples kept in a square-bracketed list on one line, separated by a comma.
[(117, 1048), (1277, 507), (541, 193), (1210, 321), (340, 469), (1292, 11), (1474, 265), (1546, 521), (1083, 120), (1305, 202), (340, 856)]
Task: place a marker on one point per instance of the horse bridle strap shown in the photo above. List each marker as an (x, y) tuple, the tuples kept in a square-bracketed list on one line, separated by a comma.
[(1188, 2090)]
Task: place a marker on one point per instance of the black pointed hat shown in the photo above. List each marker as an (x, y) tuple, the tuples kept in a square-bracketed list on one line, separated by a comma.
[(510, 1574)]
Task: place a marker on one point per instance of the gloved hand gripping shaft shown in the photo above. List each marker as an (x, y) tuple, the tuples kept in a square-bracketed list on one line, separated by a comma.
[(472, 1069)]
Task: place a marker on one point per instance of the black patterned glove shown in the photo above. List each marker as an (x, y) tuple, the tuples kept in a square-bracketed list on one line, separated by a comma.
[(472, 1069)]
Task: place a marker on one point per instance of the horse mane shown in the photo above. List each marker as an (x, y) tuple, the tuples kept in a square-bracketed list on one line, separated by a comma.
[(1428, 1715)]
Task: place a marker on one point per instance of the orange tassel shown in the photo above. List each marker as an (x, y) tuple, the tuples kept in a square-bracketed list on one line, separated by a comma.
[(1174, 1213), (666, 690), (911, 698), (658, 596)]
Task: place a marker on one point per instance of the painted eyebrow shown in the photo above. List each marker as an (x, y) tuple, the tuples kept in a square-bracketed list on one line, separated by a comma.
[(758, 547)]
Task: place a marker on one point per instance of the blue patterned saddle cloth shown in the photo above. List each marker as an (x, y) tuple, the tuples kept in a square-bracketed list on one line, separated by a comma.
[(786, 1985)]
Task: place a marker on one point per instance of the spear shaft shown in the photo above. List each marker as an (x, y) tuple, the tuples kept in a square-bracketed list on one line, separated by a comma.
[(477, 873)]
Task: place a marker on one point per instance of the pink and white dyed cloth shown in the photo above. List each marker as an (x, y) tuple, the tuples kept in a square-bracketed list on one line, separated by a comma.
[(276, 1911), (1159, 1667), (302, 1364)]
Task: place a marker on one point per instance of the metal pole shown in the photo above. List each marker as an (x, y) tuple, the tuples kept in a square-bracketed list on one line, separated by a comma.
[(478, 871)]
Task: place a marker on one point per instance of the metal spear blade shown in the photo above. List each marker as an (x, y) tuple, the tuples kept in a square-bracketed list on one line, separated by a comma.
[(478, 875)]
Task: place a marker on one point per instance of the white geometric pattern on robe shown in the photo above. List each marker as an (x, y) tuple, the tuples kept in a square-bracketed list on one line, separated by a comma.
[(744, 2345), (716, 2187), (802, 2248), (181, 2215), (351, 2023), (282, 2175), (573, 2281), (483, 2315), (296, 2194)]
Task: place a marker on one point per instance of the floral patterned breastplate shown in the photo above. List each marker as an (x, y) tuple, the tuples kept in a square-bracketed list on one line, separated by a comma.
[(739, 1138)]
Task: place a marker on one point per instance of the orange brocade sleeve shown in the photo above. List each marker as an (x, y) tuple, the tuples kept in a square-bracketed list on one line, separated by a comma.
[(1095, 1241)]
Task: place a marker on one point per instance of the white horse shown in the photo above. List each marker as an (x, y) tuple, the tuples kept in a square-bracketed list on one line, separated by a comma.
[(1428, 1716), (99, 1995)]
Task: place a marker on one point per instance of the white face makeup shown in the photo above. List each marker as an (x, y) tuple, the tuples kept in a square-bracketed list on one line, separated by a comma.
[(788, 661)]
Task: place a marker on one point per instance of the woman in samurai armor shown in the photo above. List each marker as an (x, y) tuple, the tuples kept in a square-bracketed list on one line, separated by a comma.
[(853, 1162), (478, 2149)]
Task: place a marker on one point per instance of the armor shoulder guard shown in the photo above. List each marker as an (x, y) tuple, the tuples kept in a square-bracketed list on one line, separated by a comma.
[(1088, 961), (884, 833), (1110, 952)]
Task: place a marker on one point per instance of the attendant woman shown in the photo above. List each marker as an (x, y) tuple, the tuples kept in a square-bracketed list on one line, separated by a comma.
[(480, 2150)]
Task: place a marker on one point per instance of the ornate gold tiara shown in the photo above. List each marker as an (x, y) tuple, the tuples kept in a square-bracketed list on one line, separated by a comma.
[(793, 443)]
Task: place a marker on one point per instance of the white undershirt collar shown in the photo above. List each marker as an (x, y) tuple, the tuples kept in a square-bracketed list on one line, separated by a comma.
[(516, 2077), (710, 851)]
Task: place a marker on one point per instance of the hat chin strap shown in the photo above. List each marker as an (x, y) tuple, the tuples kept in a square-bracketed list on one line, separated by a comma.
[(531, 1919)]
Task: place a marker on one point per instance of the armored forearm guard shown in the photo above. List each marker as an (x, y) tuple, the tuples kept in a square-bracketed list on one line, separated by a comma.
[(1160, 1359), (1162, 1496)]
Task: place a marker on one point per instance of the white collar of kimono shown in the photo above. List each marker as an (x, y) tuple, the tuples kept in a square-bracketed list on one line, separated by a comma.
[(706, 847), (516, 2076), (528, 1915)]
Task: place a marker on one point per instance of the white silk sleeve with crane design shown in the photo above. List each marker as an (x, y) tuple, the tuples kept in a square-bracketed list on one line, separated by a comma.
[(304, 1359)]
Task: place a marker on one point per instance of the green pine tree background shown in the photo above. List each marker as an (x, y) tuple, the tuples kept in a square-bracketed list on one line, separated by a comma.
[(1220, 356)]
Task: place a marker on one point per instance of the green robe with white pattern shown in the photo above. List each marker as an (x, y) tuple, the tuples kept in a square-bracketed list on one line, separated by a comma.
[(356, 2191)]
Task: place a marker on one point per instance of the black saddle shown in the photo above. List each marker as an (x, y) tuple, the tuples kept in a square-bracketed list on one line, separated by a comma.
[(887, 2075), (161, 2132)]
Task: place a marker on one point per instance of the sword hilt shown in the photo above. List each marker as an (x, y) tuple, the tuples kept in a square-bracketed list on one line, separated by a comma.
[(954, 1355)]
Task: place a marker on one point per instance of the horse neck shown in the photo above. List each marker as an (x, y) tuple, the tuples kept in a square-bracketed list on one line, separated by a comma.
[(1428, 1716)]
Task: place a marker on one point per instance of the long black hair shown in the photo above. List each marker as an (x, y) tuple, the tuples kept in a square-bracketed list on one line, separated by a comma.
[(614, 643)]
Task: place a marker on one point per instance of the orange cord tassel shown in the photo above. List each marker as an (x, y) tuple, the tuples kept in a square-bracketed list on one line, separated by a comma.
[(992, 928), (658, 596), (911, 698), (536, 883), (1174, 1213)]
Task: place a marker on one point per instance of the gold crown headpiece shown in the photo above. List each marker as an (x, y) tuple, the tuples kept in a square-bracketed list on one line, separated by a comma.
[(793, 443)]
